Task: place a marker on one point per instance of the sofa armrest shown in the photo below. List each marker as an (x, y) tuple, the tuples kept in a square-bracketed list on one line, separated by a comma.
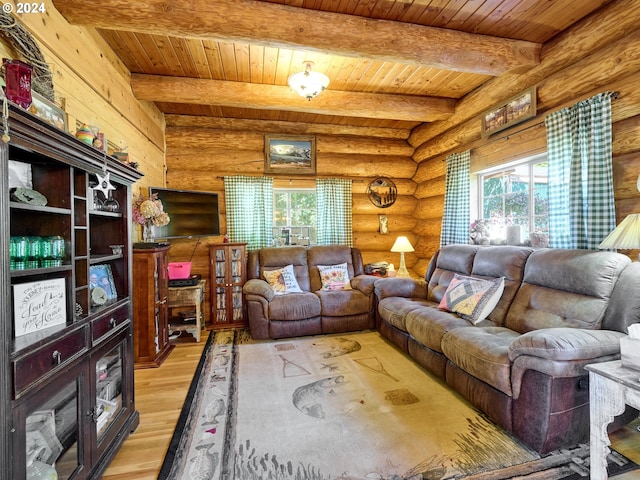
[(566, 344), (259, 287), (364, 283), (400, 287), (560, 352)]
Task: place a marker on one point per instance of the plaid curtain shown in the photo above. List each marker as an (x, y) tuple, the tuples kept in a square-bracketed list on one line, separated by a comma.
[(333, 206), (455, 218), (581, 205), (249, 206)]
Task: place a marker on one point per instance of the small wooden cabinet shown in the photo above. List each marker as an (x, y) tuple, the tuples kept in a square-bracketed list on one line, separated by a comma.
[(228, 273), (191, 297), (150, 306)]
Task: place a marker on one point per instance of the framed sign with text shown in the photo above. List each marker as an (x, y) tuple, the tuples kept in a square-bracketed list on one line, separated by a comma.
[(39, 305)]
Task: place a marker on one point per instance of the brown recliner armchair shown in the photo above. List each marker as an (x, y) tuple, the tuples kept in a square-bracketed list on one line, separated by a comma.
[(313, 310)]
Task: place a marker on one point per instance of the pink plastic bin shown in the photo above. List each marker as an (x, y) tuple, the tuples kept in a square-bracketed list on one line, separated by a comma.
[(179, 270)]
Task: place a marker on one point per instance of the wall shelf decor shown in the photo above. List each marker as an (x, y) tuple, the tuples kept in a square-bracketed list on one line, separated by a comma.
[(506, 114)]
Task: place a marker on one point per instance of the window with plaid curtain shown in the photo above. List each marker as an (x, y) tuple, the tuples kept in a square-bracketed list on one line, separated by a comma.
[(333, 205), (249, 207), (581, 203), (455, 218)]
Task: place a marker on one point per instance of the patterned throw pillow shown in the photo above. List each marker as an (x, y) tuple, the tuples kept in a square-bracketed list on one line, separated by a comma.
[(283, 280), (334, 277), (472, 298)]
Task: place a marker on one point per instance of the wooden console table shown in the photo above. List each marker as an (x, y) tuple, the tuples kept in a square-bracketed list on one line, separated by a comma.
[(611, 388), (189, 296)]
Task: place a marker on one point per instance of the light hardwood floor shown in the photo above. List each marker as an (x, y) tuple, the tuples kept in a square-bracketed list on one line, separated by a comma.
[(160, 393), (159, 396)]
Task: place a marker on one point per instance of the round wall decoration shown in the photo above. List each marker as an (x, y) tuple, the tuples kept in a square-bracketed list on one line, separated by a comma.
[(382, 192)]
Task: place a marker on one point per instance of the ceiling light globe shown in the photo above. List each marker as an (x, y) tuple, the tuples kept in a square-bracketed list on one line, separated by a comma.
[(308, 84)]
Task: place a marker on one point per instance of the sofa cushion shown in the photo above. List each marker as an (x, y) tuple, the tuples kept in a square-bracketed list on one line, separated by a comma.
[(483, 353), (565, 288), (327, 255), (473, 298), (297, 306), (502, 261), (334, 277), (276, 257), (282, 280), (428, 325), (393, 310), (340, 303), (451, 259)]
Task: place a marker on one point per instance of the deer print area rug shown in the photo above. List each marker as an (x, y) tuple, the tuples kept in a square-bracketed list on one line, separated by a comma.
[(335, 407)]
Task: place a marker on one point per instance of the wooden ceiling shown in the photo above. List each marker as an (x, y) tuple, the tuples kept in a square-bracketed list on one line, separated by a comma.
[(392, 63)]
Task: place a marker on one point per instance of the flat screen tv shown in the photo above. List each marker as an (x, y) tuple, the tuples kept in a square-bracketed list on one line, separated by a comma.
[(192, 213)]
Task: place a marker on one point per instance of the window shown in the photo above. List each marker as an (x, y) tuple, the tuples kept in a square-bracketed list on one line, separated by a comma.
[(514, 201), (294, 217)]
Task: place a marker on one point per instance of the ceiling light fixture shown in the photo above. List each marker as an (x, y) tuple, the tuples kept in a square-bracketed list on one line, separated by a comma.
[(308, 84)]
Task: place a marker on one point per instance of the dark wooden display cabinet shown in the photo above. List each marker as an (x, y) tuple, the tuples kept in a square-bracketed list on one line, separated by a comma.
[(66, 366), (150, 306)]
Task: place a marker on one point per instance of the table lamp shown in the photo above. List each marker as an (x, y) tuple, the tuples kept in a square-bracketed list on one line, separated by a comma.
[(402, 245), (625, 236)]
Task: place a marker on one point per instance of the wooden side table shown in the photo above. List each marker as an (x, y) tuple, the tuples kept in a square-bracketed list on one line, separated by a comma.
[(189, 296), (611, 388)]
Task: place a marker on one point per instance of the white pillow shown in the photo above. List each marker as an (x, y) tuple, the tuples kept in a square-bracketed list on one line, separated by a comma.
[(282, 280), (334, 277), (472, 298)]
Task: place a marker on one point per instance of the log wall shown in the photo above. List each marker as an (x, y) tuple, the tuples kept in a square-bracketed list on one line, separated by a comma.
[(93, 85), (198, 156), (578, 64)]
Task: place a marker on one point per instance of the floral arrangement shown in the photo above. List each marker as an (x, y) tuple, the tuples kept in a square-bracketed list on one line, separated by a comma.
[(479, 232), (149, 212)]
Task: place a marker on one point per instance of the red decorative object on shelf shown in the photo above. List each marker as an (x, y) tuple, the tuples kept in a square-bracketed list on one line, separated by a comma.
[(18, 82)]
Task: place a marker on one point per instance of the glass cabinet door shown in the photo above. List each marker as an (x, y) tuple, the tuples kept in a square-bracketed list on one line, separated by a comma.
[(228, 269), (109, 371), (221, 283), (50, 421), (112, 400)]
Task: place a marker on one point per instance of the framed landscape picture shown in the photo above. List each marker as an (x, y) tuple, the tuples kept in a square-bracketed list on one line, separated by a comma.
[(515, 110), (291, 155)]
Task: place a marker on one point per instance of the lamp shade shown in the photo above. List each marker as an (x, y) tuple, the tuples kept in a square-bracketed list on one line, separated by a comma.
[(626, 235), (402, 245), (308, 84)]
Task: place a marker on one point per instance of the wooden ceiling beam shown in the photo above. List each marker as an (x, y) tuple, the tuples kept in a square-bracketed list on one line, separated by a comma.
[(286, 128), (158, 88), (283, 26)]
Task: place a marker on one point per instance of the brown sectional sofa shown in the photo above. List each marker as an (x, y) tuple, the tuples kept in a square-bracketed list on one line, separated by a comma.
[(313, 311), (523, 365)]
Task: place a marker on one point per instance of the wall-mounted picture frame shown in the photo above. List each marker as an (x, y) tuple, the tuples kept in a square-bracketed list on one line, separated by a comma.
[(48, 111), (39, 305), (102, 276), (290, 155), (506, 114)]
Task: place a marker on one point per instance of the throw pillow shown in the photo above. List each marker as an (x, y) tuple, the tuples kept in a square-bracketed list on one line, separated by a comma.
[(334, 277), (472, 298), (282, 280)]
